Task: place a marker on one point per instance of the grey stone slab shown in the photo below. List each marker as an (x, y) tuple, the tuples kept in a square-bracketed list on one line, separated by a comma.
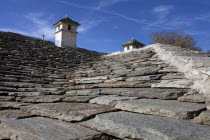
[(12, 105), (2, 138), (205, 70), (144, 70), (119, 84), (100, 72), (8, 79), (170, 76), (7, 98), (110, 100), (61, 92), (61, 80), (147, 127), (25, 94), (124, 84), (115, 79), (174, 83), (20, 84), (151, 62), (208, 102), (60, 83), (87, 71), (88, 92), (168, 70), (4, 93), (203, 118), (55, 89), (193, 97), (196, 61), (2, 88), (120, 72), (91, 80), (14, 114), (79, 99), (44, 129), (67, 111), (26, 90), (165, 108), (152, 93), (42, 99), (145, 78)]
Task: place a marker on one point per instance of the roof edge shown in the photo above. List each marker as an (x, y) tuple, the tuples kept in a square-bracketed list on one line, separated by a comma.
[(66, 20), (194, 64)]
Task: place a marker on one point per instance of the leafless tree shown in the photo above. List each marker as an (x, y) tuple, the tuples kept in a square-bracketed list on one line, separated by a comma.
[(176, 38)]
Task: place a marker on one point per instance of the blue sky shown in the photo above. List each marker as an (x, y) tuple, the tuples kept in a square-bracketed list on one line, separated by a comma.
[(107, 24)]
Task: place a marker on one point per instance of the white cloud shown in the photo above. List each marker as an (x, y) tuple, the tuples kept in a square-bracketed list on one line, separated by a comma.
[(194, 32), (16, 31), (180, 22), (102, 4), (161, 14), (142, 21), (87, 25), (163, 18), (39, 25), (203, 17), (163, 10), (107, 3)]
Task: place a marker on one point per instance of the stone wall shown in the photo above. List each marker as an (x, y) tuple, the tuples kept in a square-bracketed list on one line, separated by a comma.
[(194, 64)]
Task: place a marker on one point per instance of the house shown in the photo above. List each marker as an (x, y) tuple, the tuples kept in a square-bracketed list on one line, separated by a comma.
[(66, 32), (132, 44)]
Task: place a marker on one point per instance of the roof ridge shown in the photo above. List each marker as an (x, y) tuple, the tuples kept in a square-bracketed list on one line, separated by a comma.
[(67, 20)]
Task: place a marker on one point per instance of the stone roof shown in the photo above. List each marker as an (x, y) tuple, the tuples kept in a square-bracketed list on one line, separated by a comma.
[(133, 42), (157, 92), (67, 20)]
